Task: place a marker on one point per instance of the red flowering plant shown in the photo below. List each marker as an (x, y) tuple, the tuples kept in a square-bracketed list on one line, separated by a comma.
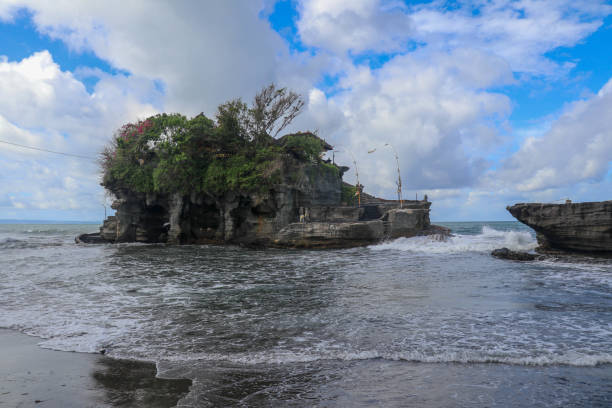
[(128, 150)]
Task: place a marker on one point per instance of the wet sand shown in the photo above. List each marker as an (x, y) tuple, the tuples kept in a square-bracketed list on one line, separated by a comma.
[(34, 377)]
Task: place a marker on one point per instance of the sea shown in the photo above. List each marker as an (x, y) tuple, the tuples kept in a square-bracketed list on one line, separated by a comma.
[(413, 322)]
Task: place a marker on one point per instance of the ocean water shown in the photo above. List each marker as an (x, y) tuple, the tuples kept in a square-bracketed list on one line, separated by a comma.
[(411, 322)]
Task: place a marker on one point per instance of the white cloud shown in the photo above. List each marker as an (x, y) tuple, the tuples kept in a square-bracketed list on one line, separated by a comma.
[(577, 148), (45, 107), (433, 104), (429, 108), (521, 32), (8, 8), (204, 52), (355, 25)]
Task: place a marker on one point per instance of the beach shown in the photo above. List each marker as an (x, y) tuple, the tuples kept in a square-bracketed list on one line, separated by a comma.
[(31, 376)]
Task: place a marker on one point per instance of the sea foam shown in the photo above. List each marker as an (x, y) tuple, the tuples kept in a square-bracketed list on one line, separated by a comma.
[(488, 240)]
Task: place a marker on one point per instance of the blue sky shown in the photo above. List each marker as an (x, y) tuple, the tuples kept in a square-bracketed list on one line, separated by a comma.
[(488, 102)]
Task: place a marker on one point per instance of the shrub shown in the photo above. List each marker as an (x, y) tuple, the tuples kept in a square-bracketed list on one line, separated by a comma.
[(305, 146), (169, 153), (348, 194)]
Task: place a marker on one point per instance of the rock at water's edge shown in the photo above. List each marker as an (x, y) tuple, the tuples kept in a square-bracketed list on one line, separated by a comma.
[(505, 253), (571, 227), (304, 209), (330, 235), (93, 238)]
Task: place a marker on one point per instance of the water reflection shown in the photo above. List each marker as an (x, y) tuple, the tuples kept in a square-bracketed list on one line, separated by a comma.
[(384, 383), (133, 384)]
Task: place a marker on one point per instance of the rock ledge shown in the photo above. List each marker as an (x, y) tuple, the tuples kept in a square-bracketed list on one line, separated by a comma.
[(505, 253), (570, 227)]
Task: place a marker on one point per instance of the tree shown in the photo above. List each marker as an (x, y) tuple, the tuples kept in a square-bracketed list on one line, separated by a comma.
[(273, 110), (232, 120), (169, 153)]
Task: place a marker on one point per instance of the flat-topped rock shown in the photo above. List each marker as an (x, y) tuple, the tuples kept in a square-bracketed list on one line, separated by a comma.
[(93, 238), (394, 223), (505, 253), (406, 222), (571, 227), (330, 235)]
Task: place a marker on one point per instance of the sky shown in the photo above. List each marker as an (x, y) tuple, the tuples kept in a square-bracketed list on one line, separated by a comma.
[(486, 102)]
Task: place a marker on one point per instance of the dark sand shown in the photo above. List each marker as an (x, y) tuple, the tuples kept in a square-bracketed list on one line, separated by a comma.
[(34, 377)]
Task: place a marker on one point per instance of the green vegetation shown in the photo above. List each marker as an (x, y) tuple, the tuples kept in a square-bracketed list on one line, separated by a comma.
[(169, 153), (305, 146), (348, 194)]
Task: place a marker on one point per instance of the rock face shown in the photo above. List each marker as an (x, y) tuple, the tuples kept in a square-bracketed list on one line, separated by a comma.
[(505, 253), (303, 210), (571, 227), (89, 239), (330, 235), (406, 222), (394, 223)]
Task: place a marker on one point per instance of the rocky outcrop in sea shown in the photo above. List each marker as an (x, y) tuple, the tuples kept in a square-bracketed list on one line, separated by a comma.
[(304, 210), (570, 227)]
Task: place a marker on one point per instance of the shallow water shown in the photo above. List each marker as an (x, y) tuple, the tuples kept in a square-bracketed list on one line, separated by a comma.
[(411, 322)]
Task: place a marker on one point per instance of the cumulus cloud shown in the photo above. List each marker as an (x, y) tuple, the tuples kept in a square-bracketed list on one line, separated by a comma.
[(432, 101), (204, 52), (201, 53), (354, 25), (45, 107), (428, 107), (521, 32), (577, 148), (431, 96)]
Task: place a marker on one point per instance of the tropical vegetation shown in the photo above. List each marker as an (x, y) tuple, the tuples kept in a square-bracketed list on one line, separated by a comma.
[(235, 151)]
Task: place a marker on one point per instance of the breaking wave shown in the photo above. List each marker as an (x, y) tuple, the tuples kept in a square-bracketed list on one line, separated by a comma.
[(14, 243), (488, 240), (460, 357)]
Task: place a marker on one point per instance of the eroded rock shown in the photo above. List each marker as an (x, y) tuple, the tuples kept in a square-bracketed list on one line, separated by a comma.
[(330, 235), (505, 253), (303, 210), (570, 227)]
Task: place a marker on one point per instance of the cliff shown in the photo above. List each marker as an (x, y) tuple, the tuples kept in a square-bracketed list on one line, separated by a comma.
[(233, 216), (571, 227), (180, 181), (303, 210)]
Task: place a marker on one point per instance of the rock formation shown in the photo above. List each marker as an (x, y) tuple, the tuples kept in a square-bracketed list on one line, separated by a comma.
[(181, 181), (570, 227), (304, 211), (505, 253)]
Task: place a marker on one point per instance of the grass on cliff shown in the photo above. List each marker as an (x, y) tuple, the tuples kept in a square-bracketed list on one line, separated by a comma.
[(169, 153)]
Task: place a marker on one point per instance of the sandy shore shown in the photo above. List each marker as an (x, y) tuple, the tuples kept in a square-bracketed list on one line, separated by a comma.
[(34, 377)]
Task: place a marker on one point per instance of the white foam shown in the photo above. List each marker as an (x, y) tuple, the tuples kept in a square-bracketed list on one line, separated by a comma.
[(488, 240), (9, 240), (79, 308), (121, 343), (463, 357)]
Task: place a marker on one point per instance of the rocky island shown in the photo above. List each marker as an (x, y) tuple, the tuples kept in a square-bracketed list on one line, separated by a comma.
[(230, 181), (570, 227)]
